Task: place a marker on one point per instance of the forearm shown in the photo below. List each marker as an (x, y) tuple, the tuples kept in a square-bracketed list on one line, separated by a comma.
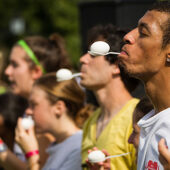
[(9, 161), (34, 162)]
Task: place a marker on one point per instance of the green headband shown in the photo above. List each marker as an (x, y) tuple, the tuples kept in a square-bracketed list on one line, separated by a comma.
[(31, 54)]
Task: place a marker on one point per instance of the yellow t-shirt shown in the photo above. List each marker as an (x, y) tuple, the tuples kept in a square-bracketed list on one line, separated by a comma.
[(114, 138)]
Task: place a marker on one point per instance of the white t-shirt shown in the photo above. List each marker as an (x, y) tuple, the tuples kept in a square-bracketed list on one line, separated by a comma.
[(153, 128)]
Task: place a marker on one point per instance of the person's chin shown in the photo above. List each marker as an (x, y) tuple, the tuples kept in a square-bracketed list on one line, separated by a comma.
[(15, 90), (124, 66), (83, 82), (38, 130)]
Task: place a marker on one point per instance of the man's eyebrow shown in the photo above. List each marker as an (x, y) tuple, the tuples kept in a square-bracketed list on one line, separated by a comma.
[(142, 24)]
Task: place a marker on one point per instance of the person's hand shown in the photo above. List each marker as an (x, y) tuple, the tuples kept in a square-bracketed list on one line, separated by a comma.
[(164, 154), (100, 165), (3, 151), (25, 138)]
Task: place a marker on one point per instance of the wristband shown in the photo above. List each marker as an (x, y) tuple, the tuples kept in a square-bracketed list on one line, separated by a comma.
[(3, 146), (31, 153)]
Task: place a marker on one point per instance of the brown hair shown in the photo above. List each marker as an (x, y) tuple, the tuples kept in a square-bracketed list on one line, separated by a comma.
[(114, 37), (68, 91), (84, 114), (50, 52), (143, 107)]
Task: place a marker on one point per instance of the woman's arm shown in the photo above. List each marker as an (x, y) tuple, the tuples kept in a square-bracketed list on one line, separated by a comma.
[(29, 144), (9, 161)]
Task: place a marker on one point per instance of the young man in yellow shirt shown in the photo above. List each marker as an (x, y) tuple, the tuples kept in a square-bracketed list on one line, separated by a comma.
[(111, 125)]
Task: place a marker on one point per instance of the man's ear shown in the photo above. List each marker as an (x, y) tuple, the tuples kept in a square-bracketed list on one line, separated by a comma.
[(59, 108), (168, 58), (116, 69), (36, 72)]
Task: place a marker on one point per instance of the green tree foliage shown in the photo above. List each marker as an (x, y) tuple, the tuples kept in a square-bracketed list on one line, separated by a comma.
[(42, 17)]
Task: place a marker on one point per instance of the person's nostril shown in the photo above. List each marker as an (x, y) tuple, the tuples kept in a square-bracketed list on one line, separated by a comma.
[(127, 42)]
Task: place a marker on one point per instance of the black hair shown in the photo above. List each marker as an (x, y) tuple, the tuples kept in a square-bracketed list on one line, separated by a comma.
[(163, 6), (11, 107), (142, 108)]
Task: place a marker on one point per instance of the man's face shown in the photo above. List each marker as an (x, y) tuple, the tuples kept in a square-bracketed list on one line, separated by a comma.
[(96, 71), (142, 55)]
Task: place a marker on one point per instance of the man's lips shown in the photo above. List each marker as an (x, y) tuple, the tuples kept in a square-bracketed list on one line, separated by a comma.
[(123, 53), (82, 70), (82, 74), (12, 83)]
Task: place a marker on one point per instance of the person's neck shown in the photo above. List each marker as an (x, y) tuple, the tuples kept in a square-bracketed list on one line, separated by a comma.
[(158, 89), (112, 98), (65, 129)]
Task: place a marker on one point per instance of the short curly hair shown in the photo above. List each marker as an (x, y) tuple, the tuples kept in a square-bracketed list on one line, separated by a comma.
[(163, 6)]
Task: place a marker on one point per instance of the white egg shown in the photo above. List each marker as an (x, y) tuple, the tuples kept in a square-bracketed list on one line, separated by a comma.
[(63, 74), (96, 156), (27, 122), (100, 47)]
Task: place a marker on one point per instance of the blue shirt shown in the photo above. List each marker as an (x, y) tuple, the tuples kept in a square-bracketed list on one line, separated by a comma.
[(65, 155)]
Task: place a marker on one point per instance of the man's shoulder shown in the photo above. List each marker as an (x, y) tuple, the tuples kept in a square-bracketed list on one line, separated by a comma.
[(128, 109)]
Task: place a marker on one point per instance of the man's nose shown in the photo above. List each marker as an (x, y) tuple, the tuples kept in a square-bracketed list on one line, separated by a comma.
[(85, 58), (130, 37)]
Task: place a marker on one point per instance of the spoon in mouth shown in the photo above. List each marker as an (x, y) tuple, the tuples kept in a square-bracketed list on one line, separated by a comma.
[(65, 74), (99, 156), (101, 48)]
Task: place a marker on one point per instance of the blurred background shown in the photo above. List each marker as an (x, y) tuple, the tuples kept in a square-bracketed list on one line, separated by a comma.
[(71, 18)]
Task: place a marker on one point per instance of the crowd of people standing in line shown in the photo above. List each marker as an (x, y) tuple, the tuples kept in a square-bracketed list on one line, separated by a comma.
[(67, 128)]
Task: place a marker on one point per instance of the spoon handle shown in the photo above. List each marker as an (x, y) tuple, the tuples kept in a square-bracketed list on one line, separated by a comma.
[(114, 53), (113, 156), (76, 75)]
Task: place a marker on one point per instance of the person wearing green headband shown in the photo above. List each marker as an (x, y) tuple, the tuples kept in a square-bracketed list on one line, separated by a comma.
[(31, 54), (30, 58)]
